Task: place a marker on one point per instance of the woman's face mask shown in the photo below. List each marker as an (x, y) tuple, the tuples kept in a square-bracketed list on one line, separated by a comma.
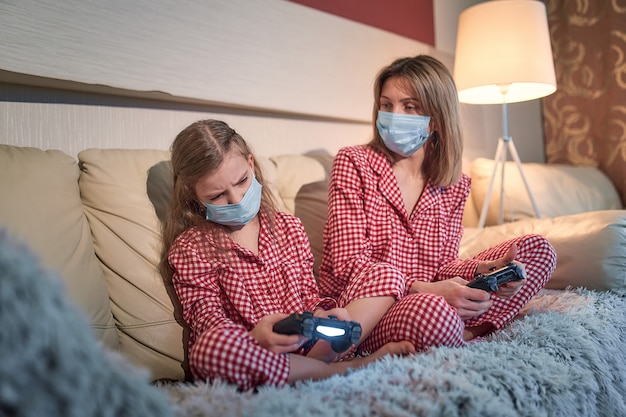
[(240, 213), (403, 134)]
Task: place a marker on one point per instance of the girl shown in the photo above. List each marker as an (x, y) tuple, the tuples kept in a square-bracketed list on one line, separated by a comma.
[(394, 223), (238, 266)]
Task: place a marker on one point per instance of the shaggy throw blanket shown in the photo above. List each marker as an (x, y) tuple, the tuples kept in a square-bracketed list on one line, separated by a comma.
[(566, 356), (50, 362)]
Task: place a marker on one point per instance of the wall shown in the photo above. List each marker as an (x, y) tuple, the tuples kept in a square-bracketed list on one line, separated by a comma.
[(71, 121), (410, 18), (78, 74)]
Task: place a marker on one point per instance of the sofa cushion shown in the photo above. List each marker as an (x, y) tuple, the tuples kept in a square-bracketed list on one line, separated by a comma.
[(295, 171), (304, 189), (41, 207), (558, 190), (126, 234), (159, 186), (590, 247)]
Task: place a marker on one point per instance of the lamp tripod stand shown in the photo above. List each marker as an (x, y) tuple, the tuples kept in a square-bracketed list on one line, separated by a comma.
[(500, 158)]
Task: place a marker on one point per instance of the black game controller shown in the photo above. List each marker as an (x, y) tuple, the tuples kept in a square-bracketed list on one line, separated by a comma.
[(491, 281), (341, 334)]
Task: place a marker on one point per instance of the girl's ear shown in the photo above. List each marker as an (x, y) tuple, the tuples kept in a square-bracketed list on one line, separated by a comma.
[(251, 162)]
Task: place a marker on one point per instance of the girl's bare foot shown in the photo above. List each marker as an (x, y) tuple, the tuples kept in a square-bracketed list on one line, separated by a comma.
[(303, 367), (402, 348)]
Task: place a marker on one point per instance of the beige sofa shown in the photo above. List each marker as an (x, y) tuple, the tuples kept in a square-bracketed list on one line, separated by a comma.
[(95, 220)]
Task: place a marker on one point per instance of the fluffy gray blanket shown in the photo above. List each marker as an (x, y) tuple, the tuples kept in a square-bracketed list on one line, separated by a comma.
[(50, 362), (566, 356)]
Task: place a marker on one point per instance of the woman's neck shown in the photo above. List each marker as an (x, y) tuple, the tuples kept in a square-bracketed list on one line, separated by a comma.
[(410, 167)]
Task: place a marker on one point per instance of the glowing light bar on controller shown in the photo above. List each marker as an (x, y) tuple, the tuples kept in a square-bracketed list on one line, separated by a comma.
[(330, 331)]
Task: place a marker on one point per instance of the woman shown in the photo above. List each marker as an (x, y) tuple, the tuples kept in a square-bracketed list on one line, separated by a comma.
[(238, 267), (395, 223)]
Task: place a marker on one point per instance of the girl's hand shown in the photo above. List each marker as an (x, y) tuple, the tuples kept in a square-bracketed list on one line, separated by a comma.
[(341, 314), (264, 334)]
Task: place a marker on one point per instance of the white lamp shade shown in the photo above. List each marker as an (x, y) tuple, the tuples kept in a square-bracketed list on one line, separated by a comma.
[(503, 47)]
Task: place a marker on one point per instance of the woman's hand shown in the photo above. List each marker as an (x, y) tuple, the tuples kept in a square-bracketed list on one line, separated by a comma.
[(508, 289), (485, 267), (468, 302), (264, 334)]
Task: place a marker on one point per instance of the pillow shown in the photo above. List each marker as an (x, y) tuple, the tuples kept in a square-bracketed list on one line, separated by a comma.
[(127, 237), (558, 190), (41, 206), (590, 247), (311, 206), (159, 186), (304, 183), (294, 171)]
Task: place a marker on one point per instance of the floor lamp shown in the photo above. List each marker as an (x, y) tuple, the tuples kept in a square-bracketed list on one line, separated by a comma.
[(503, 55)]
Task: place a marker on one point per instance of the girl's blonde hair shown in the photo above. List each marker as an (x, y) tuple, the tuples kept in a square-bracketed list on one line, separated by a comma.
[(197, 151), (431, 82)]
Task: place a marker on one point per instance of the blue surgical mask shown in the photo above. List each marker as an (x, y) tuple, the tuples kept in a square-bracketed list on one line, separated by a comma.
[(240, 213), (403, 134)]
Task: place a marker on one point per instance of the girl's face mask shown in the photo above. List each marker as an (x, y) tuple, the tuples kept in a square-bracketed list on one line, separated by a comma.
[(403, 134), (240, 213)]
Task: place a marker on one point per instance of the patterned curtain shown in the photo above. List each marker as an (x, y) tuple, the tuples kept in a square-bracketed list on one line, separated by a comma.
[(585, 120)]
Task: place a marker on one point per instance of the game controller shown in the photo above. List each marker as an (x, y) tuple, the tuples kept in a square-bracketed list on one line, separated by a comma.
[(490, 282), (340, 333)]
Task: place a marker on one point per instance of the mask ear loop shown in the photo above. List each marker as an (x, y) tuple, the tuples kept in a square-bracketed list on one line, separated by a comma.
[(432, 144), (431, 127), (434, 137)]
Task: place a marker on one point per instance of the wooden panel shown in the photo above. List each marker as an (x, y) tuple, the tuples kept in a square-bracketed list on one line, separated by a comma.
[(72, 121), (271, 54)]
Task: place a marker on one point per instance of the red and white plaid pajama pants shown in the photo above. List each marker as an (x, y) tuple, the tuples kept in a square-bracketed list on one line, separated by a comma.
[(428, 320)]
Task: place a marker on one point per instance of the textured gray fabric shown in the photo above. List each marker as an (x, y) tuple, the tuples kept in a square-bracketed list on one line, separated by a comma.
[(564, 357), (50, 361)]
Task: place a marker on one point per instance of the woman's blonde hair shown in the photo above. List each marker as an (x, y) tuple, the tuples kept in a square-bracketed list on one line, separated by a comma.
[(431, 82), (198, 150)]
